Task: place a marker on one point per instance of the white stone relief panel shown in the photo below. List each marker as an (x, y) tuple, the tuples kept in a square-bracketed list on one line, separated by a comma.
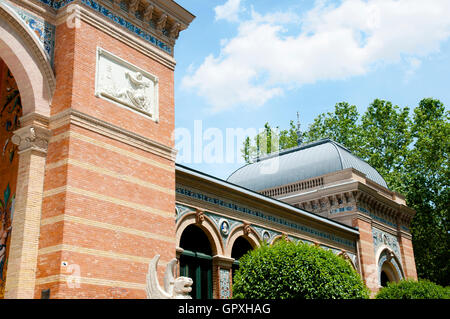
[(126, 85)]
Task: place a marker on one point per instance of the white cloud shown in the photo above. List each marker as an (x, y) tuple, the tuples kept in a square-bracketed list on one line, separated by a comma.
[(332, 42), (229, 11)]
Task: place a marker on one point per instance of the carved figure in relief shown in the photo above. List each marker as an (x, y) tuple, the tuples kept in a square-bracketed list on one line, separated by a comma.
[(136, 94), (178, 288), (139, 94)]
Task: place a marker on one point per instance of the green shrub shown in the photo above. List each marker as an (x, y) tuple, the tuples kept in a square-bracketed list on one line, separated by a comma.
[(288, 270), (411, 289)]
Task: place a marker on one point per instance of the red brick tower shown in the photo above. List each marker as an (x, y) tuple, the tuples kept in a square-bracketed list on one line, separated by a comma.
[(95, 196)]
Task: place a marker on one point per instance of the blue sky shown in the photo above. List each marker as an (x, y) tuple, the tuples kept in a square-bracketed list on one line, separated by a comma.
[(242, 63)]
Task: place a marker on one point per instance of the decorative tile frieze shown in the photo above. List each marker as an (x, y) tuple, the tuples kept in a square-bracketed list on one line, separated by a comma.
[(140, 32), (224, 224), (136, 16), (224, 282), (56, 4), (262, 216), (45, 32), (376, 217), (341, 209), (182, 210), (382, 238)]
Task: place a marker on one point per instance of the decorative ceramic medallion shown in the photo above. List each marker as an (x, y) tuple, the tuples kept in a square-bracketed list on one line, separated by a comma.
[(224, 227), (266, 236)]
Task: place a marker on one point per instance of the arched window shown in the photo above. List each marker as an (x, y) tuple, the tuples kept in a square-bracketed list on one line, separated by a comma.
[(240, 247), (196, 261)]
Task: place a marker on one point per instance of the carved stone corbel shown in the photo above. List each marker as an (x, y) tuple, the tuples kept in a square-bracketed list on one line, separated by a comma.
[(32, 138), (148, 13), (199, 217), (285, 237), (247, 229), (133, 6), (344, 255), (389, 255), (174, 31), (161, 23)]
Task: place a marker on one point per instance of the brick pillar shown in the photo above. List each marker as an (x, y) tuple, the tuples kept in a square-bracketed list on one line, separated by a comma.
[(369, 269), (406, 249), (222, 277), (32, 140)]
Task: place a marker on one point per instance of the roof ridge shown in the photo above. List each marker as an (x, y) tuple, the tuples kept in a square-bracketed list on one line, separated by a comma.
[(292, 149), (339, 153)]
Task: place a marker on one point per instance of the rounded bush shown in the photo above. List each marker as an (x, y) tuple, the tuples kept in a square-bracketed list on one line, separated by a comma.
[(288, 270), (411, 289)]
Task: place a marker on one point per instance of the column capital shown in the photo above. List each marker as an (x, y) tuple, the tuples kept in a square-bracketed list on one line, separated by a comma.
[(32, 138), (223, 261)]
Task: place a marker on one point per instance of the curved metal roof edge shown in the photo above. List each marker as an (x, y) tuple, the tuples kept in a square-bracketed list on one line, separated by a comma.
[(290, 150), (339, 153), (351, 153), (309, 145), (267, 198)]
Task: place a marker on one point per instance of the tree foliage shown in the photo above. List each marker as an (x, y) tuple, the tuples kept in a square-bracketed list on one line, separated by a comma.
[(288, 270), (411, 151), (411, 289)]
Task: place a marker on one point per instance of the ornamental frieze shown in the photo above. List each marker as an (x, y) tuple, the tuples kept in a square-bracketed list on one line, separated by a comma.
[(44, 31), (153, 21), (381, 238), (262, 216)]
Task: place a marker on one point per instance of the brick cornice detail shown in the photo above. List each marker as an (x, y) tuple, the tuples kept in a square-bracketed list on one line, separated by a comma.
[(71, 116)]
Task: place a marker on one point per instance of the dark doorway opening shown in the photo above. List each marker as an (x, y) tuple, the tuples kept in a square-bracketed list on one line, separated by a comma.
[(196, 261)]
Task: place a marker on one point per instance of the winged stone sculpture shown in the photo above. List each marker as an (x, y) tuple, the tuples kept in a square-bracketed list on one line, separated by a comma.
[(174, 288)]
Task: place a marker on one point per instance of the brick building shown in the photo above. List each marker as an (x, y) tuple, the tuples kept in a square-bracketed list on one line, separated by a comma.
[(90, 188)]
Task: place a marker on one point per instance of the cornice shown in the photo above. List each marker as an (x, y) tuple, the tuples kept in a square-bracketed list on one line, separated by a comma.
[(74, 117), (146, 18)]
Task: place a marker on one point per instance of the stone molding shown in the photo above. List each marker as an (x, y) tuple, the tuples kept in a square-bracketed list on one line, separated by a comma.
[(32, 138), (74, 117), (223, 261), (169, 16), (349, 198)]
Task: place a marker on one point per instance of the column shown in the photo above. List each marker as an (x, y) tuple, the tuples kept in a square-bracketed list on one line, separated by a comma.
[(406, 249), (369, 269), (222, 277), (32, 140)]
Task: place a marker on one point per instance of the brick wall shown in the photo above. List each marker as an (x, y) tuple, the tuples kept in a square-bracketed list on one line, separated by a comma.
[(369, 269), (108, 206)]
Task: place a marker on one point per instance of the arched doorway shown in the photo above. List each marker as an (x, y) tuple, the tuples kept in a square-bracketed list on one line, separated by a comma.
[(384, 279), (388, 268), (240, 247), (10, 112), (196, 261)]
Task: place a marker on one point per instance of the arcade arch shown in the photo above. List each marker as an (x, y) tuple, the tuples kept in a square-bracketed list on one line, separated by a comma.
[(24, 58)]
